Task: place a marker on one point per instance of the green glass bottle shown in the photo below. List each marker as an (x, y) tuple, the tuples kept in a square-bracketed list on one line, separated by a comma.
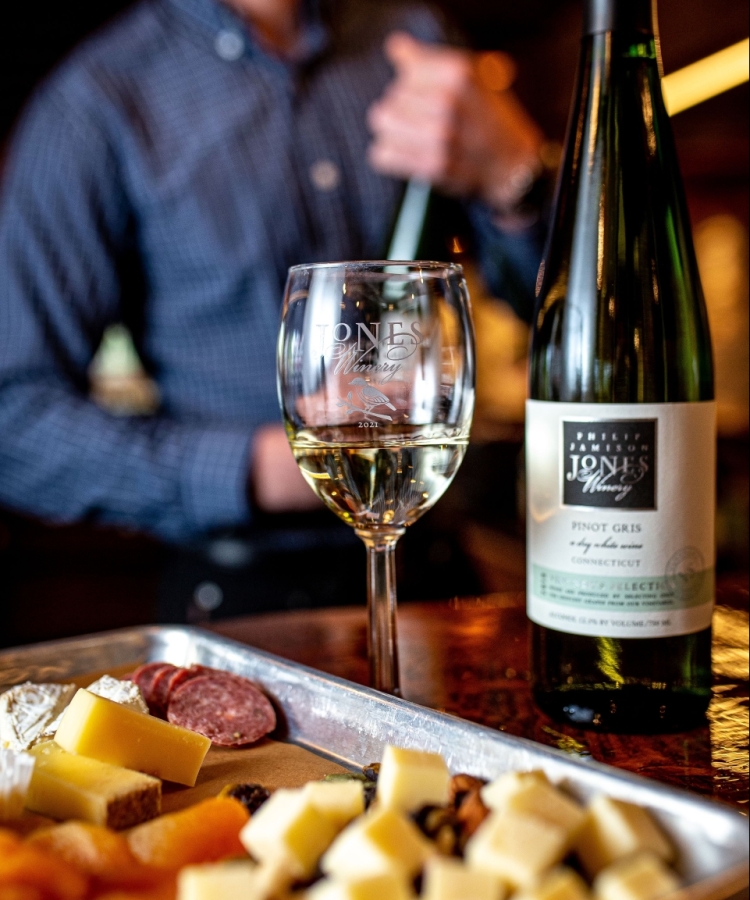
[(621, 422)]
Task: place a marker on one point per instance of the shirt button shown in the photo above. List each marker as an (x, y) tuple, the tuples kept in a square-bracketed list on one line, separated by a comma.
[(325, 175), (229, 45)]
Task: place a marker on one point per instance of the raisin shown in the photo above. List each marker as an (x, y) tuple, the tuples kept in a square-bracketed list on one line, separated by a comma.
[(251, 796)]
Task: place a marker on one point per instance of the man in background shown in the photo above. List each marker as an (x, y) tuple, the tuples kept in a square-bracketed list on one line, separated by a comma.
[(166, 176)]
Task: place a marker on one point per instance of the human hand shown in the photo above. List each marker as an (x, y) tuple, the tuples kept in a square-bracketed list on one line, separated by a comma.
[(276, 482), (439, 121)]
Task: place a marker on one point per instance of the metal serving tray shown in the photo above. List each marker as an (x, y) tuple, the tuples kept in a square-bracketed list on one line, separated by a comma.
[(352, 724)]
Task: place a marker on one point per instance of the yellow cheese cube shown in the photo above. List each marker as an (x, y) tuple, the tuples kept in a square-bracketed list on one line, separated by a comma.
[(640, 877), (614, 829), (387, 886), (380, 841), (411, 779), (340, 801), (218, 881), (516, 847), (290, 828), (539, 798), (495, 794), (559, 884), (67, 786), (450, 879), (104, 730)]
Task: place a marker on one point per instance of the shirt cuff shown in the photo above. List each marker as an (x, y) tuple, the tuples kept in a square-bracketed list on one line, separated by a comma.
[(214, 487)]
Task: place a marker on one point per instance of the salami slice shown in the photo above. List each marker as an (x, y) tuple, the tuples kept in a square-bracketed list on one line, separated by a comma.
[(180, 675), (224, 707), (160, 689), (145, 676)]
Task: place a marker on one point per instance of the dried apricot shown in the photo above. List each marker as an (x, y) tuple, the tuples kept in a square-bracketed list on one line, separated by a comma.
[(31, 867), (206, 832)]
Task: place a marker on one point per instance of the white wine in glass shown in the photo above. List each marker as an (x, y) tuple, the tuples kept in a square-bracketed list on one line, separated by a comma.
[(376, 384)]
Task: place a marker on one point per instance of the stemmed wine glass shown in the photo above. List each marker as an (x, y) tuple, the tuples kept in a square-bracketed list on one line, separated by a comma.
[(376, 384)]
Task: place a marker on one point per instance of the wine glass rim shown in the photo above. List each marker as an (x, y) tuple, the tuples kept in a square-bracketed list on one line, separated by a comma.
[(414, 265)]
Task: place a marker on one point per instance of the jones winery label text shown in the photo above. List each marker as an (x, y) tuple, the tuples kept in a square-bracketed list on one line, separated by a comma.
[(610, 464)]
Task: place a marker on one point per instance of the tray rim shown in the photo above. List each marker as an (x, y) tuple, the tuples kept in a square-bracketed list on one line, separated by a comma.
[(734, 879)]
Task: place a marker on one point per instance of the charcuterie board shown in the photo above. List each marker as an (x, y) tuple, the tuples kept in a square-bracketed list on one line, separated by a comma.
[(325, 723)]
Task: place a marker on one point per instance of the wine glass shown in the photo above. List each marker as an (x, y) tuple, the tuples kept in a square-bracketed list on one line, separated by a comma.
[(376, 384)]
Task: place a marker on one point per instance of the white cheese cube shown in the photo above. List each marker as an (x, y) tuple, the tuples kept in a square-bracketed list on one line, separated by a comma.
[(340, 801), (614, 829), (289, 828), (450, 879), (386, 886), (496, 793), (217, 881), (559, 884), (539, 798), (516, 847), (380, 841), (640, 877), (411, 779)]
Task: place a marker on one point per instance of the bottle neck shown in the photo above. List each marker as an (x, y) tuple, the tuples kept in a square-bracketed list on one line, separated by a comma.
[(626, 17)]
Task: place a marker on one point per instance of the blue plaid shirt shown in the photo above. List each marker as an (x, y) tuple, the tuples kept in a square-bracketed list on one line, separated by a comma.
[(166, 176)]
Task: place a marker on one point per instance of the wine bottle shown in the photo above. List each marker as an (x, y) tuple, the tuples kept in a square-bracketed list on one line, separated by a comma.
[(427, 225), (621, 421)]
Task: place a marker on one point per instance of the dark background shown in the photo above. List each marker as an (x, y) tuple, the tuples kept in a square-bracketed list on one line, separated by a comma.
[(56, 581)]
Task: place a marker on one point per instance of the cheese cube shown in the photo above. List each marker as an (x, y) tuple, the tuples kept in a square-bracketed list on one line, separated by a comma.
[(516, 847), (559, 884), (218, 881), (640, 877), (340, 801), (450, 879), (539, 798), (380, 841), (411, 779), (495, 794), (386, 886), (614, 829), (289, 828), (102, 729), (67, 786)]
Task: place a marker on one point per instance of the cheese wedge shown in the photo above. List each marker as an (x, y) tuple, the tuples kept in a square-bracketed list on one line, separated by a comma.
[(614, 829), (411, 779), (67, 786), (102, 729)]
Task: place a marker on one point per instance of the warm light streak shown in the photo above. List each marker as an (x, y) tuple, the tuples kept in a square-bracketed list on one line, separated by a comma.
[(707, 77)]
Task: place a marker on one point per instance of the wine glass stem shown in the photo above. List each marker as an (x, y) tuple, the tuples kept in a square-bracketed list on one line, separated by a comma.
[(381, 608)]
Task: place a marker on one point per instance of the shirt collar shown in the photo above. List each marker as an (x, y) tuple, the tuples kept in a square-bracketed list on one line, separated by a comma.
[(217, 16)]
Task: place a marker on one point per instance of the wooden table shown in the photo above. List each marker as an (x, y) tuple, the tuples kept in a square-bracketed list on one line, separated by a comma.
[(470, 657)]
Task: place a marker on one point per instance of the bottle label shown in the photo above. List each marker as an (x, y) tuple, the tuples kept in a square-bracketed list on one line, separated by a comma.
[(621, 503)]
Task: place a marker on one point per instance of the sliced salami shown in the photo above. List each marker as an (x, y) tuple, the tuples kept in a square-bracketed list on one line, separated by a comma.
[(224, 707), (145, 676), (160, 689), (180, 675)]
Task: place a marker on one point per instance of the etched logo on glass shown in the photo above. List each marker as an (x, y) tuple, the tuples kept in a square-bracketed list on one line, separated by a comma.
[(610, 464)]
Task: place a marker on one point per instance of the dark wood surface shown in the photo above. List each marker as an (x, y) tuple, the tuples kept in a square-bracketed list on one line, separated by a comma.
[(470, 657)]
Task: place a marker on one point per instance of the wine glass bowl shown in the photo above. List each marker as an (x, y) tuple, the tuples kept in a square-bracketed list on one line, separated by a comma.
[(376, 384)]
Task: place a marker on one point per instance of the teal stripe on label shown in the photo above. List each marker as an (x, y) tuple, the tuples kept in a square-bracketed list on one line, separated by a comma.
[(606, 593)]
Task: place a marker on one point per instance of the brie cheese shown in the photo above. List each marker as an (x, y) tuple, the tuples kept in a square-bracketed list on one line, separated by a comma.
[(30, 713)]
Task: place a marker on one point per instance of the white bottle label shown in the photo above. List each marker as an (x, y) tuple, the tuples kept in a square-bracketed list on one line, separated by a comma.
[(621, 505)]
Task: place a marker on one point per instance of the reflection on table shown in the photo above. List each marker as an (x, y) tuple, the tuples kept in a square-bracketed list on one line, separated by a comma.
[(470, 658)]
